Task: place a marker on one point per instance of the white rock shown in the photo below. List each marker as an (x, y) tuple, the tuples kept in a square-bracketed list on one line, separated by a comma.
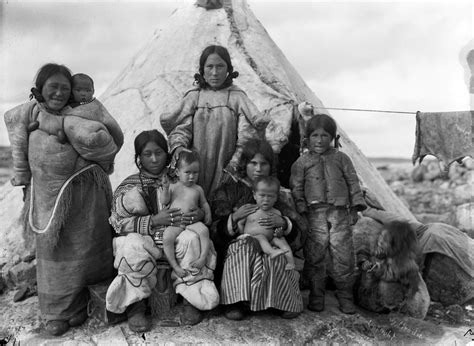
[(113, 336), (464, 218)]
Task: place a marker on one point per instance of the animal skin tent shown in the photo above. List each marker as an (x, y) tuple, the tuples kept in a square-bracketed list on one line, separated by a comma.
[(158, 76), (162, 71)]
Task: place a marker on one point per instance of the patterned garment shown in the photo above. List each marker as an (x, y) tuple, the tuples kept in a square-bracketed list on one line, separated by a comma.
[(134, 201), (122, 219)]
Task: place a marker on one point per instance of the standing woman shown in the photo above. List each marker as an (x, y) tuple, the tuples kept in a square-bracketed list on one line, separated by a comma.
[(69, 210), (214, 119)]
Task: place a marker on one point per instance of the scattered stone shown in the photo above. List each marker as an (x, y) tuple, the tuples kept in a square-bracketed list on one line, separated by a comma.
[(20, 294), (433, 171), (23, 273), (29, 257), (418, 174), (464, 218), (447, 282), (3, 284), (398, 187), (455, 313), (445, 185), (463, 194), (469, 178), (113, 336), (16, 259), (468, 162)]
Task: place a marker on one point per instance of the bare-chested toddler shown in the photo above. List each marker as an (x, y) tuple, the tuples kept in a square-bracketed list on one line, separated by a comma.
[(186, 195), (265, 193)]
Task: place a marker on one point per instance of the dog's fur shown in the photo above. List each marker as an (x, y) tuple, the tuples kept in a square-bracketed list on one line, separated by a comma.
[(395, 256)]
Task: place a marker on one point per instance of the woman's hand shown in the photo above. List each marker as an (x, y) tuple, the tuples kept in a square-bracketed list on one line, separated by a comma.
[(168, 217), (243, 212), (272, 221), (177, 151), (194, 215)]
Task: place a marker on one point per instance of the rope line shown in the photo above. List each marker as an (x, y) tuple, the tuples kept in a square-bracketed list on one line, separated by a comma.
[(363, 110)]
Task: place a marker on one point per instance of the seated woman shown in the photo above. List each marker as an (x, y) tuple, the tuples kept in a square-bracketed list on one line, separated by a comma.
[(250, 278), (139, 219)]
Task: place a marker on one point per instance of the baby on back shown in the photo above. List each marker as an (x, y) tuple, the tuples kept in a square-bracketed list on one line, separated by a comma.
[(85, 124)]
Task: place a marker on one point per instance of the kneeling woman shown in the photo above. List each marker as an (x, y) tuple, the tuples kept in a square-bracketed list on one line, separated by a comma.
[(139, 219), (250, 278)]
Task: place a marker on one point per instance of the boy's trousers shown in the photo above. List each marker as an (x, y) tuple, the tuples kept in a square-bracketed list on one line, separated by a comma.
[(330, 234)]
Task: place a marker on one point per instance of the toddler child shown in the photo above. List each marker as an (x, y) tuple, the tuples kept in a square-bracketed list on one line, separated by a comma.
[(266, 191), (186, 195), (82, 93), (82, 89), (326, 189)]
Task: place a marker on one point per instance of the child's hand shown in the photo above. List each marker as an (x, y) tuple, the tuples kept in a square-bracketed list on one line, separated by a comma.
[(278, 232), (353, 216), (180, 272), (208, 219), (199, 263)]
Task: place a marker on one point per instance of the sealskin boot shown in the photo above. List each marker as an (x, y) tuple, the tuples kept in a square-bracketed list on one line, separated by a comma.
[(190, 315), (56, 327), (346, 305), (137, 321), (316, 295)]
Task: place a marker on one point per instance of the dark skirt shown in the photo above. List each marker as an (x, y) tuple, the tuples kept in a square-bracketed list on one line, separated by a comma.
[(83, 253)]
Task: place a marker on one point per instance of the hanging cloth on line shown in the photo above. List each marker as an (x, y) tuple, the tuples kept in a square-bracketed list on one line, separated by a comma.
[(445, 135)]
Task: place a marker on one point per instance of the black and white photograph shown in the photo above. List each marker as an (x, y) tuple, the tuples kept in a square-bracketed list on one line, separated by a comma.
[(236, 172)]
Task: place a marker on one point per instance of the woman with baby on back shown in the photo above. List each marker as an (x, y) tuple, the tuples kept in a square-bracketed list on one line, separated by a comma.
[(68, 196)]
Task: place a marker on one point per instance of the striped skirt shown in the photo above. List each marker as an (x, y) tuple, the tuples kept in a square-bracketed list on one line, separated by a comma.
[(251, 276)]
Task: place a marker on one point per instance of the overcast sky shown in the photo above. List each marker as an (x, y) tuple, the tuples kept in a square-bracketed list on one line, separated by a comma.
[(405, 55)]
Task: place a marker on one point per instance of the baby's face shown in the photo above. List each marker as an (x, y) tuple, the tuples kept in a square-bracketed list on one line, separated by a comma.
[(265, 196), (188, 173), (82, 90)]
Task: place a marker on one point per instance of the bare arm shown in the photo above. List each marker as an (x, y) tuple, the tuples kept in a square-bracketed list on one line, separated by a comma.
[(241, 225)]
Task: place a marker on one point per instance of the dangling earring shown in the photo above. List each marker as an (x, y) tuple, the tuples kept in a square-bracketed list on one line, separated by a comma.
[(336, 142)]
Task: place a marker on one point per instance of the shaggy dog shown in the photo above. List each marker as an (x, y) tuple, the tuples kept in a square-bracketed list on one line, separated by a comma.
[(389, 277), (395, 256)]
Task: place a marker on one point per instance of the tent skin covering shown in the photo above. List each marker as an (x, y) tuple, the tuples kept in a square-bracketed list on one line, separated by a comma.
[(159, 75), (162, 71)]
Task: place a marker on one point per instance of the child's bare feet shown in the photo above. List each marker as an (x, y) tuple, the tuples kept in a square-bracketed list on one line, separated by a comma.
[(290, 266), (277, 253)]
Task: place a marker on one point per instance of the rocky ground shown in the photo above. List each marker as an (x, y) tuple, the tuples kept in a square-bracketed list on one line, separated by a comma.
[(431, 197)]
